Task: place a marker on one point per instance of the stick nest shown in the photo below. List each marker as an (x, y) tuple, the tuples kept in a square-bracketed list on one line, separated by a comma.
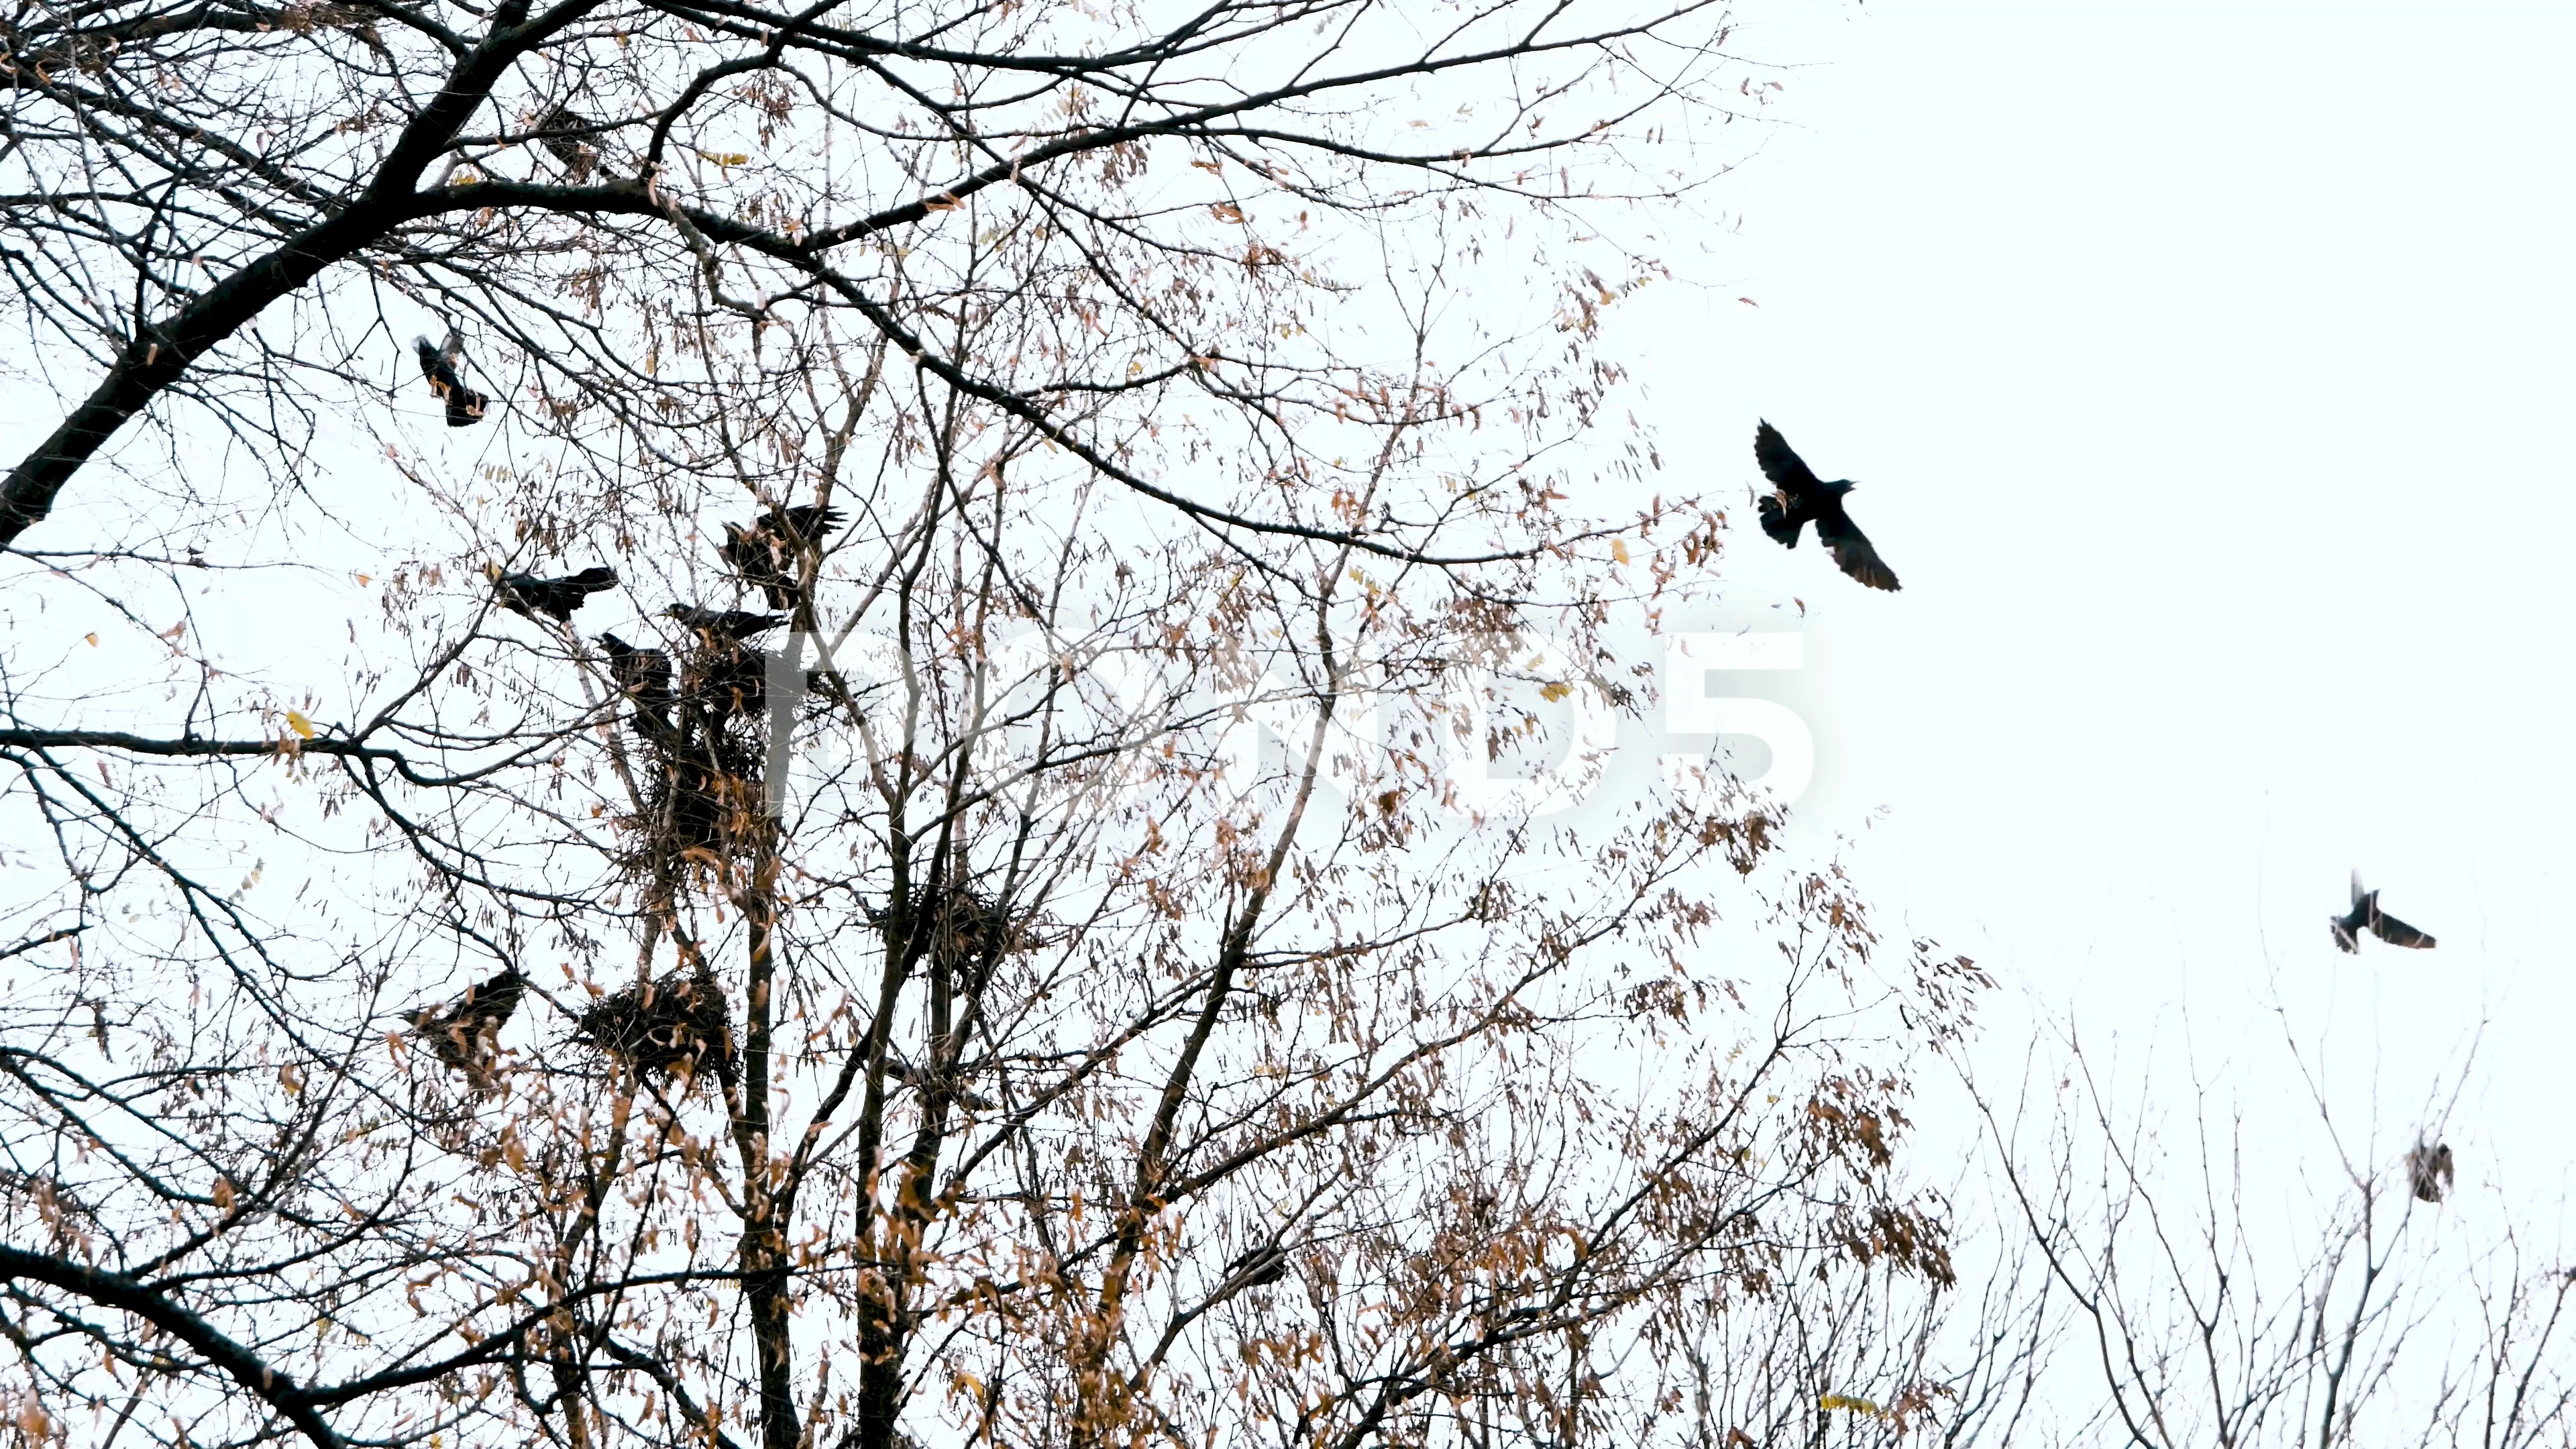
[(678, 1026)]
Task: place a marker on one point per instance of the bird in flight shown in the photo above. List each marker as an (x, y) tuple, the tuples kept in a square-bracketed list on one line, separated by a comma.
[(724, 623), (464, 405), (1802, 496), (2366, 915), (555, 598), (766, 552)]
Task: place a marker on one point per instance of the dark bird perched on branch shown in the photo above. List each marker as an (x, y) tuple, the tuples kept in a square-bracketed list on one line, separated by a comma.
[(1258, 1266), (767, 552), (2428, 1171), (926, 1082), (724, 623), (644, 674), (464, 405), (555, 598), (2367, 916), (557, 131), (466, 1033), (1802, 496)]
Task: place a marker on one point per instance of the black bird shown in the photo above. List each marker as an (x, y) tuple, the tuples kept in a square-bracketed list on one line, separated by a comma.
[(558, 130), (555, 598), (724, 623), (1803, 496), (466, 1033), (2367, 916), (464, 405), (1257, 1266), (766, 552), (2428, 1171), (644, 674)]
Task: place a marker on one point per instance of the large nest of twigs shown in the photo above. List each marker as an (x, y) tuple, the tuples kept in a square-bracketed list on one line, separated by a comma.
[(959, 924), (677, 1026), (693, 803)]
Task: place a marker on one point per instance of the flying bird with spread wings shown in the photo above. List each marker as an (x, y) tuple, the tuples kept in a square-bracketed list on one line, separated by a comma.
[(2366, 915), (767, 552), (529, 595), (465, 406), (1801, 497)]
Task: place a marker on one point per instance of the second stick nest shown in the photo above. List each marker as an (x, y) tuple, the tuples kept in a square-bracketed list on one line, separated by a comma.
[(680, 1025)]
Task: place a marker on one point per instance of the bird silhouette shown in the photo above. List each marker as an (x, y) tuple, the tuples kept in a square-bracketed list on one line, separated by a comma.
[(464, 405), (1800, 497), (559, 130), (644, 674), (1256, 1266), (466, 1033), (555, 598), (2366, 915), (724, 623), (766, 553), (2428, 1171)]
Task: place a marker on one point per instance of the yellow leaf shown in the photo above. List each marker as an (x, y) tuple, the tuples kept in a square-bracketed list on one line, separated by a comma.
[(1556, 691), (296, 721), (1619, 550), (725, 158), (93, 640)]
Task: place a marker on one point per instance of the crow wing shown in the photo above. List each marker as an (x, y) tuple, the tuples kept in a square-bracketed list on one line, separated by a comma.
[(1787, 471), (2397, 933), (1836, 531)]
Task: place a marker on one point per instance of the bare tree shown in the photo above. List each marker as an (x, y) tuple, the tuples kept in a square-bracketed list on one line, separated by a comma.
[(2204, 1307), (1094, 970)]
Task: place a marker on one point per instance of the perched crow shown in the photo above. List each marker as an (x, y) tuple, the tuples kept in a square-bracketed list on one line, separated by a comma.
[(466, 1033), (558, 131), (464, 405), (2367, 916), (724, 623), (926, 1082), (1257, 1266), (2428, 1171), (766, 552), (644, 674), (555, 598), (1802, 496)]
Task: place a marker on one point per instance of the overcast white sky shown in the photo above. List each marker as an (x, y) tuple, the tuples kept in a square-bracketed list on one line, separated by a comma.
[(2206, 367)]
